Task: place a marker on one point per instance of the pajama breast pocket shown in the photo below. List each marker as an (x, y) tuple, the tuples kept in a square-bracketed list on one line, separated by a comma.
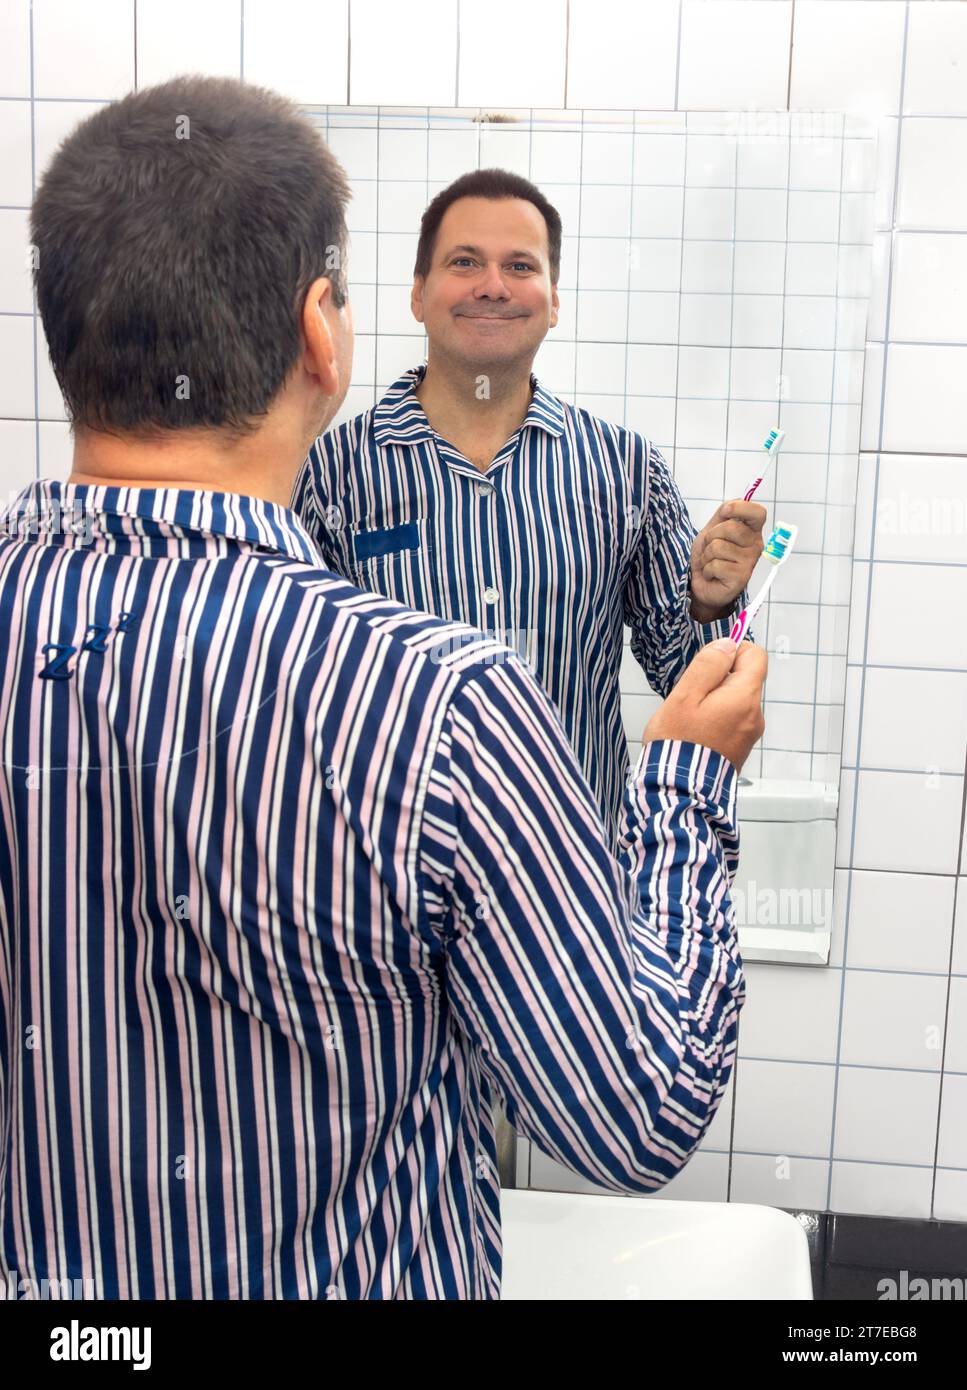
[(395, 561)]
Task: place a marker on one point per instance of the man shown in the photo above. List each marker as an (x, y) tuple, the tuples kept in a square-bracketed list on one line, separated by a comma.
[(473, 493), (287, 898)]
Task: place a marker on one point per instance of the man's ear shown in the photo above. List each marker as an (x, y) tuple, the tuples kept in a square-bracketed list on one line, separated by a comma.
[(320, 350), (416, 298), (555, 306)]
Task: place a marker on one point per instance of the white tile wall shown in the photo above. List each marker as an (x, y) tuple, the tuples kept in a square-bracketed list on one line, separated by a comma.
[(398, 57), (176, 36), (313, 70), (512, 54), (850, 1077), (637, 72), (936, 60), (929, 301), (104, 33), (733, 54)]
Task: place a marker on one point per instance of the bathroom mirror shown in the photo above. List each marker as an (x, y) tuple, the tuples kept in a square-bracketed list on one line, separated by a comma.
[(715, 278)]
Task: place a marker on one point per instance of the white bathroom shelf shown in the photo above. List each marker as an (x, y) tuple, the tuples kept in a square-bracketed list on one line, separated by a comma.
[(783, 891)]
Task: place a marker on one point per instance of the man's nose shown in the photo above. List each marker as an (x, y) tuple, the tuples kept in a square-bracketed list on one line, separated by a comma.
[(491, 285)]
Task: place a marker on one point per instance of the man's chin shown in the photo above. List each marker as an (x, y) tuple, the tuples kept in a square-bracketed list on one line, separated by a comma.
[(492, 353)]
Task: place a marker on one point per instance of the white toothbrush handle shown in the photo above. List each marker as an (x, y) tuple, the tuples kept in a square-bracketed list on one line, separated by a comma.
[(765, 469), (741, 624)]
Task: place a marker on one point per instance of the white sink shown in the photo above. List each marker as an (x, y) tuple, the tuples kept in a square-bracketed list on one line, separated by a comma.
[(574, 1246)]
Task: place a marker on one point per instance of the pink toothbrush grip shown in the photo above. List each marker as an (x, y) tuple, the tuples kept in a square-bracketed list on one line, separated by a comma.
[(739, 626)]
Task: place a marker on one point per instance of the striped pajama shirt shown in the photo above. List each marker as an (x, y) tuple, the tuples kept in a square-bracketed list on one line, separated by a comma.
[(294, 884)]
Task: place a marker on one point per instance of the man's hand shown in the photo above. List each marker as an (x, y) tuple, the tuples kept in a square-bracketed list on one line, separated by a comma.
[(724, 554), (717, 701)]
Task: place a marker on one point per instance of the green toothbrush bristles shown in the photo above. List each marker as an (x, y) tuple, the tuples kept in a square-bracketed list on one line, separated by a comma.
[(779, 542), (773, 441)]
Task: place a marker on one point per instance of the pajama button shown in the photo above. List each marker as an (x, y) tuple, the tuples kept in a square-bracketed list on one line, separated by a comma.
[(485, 489), (490, 595)]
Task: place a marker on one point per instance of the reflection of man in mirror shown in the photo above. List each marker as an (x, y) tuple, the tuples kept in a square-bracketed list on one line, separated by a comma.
[(471, 492)]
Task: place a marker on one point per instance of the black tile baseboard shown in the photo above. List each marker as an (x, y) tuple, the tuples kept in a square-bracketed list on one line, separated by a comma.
[(851, 1255), (897, 1243)]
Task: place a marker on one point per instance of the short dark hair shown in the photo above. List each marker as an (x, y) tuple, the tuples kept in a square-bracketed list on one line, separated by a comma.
[(175, 235), (487, 183)]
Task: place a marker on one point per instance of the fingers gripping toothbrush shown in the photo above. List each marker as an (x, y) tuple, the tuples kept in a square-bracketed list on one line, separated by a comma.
[(778, 548)]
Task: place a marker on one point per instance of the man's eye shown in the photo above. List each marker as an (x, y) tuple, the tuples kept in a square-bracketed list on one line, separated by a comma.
[(522, 265), (457, 260)]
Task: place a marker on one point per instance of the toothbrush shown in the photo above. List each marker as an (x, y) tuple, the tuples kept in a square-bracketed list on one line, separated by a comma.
[(772, 446), (777, 549)]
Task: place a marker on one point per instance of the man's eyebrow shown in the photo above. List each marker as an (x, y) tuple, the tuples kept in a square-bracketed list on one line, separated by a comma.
[(476, 251)]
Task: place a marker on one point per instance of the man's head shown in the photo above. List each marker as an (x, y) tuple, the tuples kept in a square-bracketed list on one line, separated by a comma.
[(190, 265), (487, 264)]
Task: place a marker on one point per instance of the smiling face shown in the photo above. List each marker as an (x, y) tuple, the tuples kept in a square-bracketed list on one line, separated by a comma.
[(488, 299)]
